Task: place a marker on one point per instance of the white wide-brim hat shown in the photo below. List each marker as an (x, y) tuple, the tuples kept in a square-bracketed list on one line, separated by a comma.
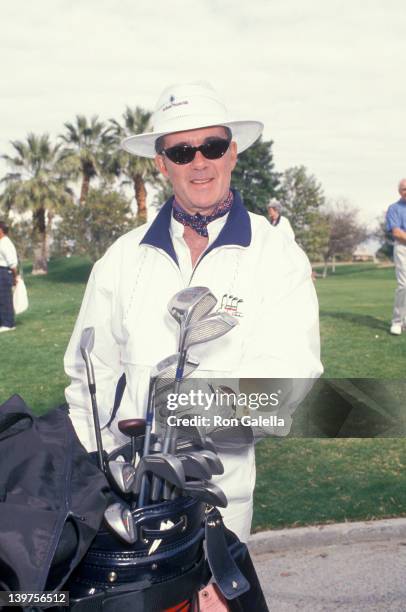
[(190, 106)]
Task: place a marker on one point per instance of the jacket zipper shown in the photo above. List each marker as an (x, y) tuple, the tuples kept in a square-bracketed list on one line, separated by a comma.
[(202, 256)]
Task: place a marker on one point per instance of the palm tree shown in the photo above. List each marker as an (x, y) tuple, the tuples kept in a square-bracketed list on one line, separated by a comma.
[(86, 141), (37, 183), (138, 170)]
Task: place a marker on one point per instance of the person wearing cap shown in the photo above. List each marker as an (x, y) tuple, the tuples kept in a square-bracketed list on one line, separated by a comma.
[(8, 278), (278, 220), (396, 225), (202, 236)]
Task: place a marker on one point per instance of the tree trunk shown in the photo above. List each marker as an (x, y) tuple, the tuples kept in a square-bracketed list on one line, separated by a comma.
[(333, 269), (325, 268), (84, 189), (141, 199), (39, 239)]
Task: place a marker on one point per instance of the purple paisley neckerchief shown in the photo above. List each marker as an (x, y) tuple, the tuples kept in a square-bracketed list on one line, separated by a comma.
[(199, 222)]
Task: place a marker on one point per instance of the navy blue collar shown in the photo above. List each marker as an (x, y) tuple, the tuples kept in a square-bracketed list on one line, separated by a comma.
[(236, 230)]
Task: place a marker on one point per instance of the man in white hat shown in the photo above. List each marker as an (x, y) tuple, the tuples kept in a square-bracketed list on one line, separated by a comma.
[(278, 220), (203, 236)]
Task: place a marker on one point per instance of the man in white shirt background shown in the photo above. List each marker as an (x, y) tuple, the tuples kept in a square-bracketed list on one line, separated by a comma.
[(8, 276), (277, 220)]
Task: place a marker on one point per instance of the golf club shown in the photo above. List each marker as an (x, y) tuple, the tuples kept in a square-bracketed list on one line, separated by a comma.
[(162, 377), (119, 518), (191, 304), (205, 491), (133, 428), (122, 473), (164, 466), (195, 467), (213, 460), (196, 435), (203, 330), (86, 347)]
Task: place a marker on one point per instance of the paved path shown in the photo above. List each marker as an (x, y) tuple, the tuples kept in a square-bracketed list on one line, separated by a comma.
[(350, 577)]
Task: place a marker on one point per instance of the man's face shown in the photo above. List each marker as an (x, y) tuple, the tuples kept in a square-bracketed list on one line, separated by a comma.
[(201, 184), (274, 213), (402, 189)]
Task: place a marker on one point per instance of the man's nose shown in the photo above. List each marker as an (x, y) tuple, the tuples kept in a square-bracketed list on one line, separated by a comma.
[(199, 160)]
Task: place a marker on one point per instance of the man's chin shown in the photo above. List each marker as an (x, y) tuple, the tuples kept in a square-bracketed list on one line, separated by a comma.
[(205, 201)]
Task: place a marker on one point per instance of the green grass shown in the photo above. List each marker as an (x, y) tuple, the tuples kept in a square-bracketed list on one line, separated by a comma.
[(300, 481), (323, 481), (31, 357), (355, 313)]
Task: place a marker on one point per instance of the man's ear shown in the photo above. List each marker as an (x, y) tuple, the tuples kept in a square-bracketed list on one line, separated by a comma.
[(234, 154), (160, 165)]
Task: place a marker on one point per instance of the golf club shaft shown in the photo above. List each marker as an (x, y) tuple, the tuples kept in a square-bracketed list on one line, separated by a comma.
[(147, 439), (170, 437), (95, 411), (100, 458)]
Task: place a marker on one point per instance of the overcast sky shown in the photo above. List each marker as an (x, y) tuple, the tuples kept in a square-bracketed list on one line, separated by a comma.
[(326, 77)]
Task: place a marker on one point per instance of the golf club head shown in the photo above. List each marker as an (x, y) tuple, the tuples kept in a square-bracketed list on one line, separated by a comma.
[(191, 304), (164, 466), (205, 491), (198, 439), (119, 518), (166, 376), (86, 346), (87, 341), (123, 474), (197, 435), (195, 465), (212, 459), (211, 327)]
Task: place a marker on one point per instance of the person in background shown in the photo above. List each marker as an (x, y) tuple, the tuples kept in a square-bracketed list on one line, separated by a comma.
[(277, 220), (396, 225), (8, 278)]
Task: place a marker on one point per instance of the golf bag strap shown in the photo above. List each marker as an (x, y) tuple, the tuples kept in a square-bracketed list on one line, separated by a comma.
[(144, 595), (228, 577), (121, 384)]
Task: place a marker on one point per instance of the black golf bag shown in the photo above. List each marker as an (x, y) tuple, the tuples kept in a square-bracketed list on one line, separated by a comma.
[(52, 501)]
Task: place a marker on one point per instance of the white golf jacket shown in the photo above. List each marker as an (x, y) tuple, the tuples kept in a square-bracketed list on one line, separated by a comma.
[(257, 275)]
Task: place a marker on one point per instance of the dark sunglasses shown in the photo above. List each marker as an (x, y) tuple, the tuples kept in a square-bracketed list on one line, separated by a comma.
[(184, 153)]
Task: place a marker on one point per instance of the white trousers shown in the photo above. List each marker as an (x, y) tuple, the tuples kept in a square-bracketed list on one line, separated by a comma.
[(399, 309), (238, 482)]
